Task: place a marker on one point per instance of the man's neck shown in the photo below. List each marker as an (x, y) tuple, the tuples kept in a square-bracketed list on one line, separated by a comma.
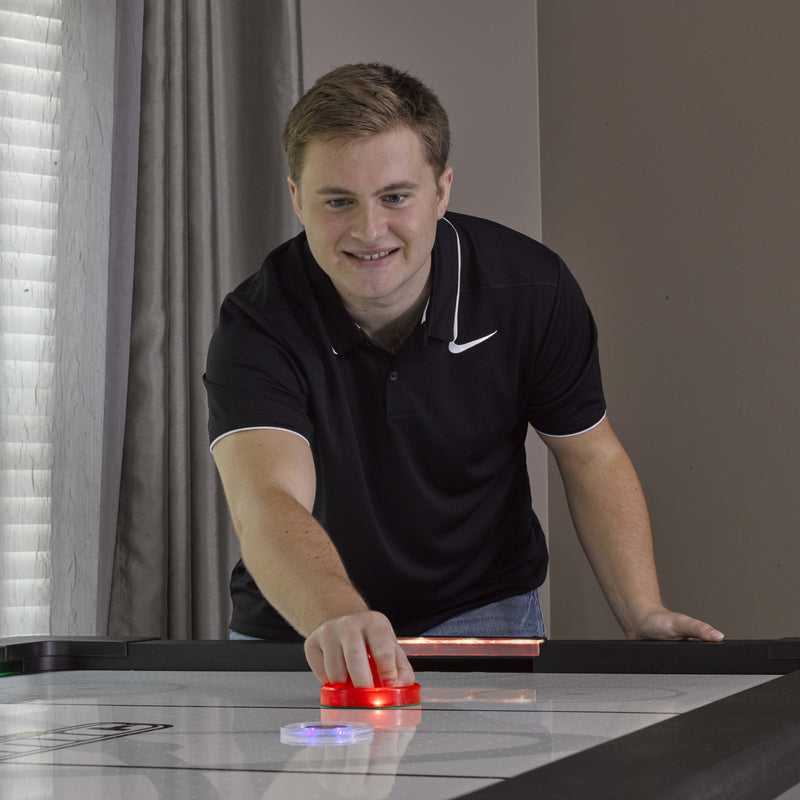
[(393, 332), (387, 326)]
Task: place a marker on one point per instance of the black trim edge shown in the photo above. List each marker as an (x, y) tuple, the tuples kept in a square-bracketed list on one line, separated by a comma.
[(743, 747)]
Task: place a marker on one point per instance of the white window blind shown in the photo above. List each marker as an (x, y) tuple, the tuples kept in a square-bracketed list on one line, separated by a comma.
[(30, 71)]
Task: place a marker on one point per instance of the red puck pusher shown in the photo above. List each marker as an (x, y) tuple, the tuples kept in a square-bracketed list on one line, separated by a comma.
[(345, 695)]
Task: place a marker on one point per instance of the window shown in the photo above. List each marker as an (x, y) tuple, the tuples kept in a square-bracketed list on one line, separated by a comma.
[(30, 70)]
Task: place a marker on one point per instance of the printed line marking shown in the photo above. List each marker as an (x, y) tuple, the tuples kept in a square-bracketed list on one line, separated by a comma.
[(29, 743)]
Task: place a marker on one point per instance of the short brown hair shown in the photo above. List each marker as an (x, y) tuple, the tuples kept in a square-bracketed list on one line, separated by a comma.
[(361, 100)]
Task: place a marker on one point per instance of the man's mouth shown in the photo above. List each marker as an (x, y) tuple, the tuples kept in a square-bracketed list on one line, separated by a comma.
[(371, 256)]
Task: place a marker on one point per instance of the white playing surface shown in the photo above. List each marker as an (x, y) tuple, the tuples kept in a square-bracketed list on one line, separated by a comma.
[(185, 735)]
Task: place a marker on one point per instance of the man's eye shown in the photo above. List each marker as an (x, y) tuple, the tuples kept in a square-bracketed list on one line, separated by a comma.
[(395, 199), (338, 202)]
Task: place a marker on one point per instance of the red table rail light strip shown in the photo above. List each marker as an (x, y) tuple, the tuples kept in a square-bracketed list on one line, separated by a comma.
[(470, 646)]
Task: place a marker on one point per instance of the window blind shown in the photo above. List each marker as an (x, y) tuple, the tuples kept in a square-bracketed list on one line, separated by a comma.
[(30, 71)]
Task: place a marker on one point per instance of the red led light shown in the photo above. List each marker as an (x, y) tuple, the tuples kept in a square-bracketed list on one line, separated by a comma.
[(470, 646), (387, 718), (342, 695)]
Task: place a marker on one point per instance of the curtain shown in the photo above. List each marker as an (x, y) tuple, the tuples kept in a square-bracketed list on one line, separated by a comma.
[(85, 121), (217, 80)]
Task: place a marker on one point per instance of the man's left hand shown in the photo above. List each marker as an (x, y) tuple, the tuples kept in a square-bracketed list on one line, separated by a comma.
[(661, 623)]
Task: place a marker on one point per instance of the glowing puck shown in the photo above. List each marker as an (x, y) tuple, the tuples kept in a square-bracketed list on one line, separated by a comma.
[(344, 695), (328, 733)]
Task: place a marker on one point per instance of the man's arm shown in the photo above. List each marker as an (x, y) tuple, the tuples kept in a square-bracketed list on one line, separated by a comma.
[(270, 484), (610, 515)]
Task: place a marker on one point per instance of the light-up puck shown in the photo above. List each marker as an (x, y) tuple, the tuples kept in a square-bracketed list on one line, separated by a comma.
[(344, 695), (327, 733)]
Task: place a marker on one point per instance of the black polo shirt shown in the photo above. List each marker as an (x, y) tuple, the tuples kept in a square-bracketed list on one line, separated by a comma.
[(420, 457)]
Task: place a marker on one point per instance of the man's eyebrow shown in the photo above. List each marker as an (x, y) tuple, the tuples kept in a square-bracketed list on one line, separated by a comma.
[(400, 186), (333, 190), (392, 187)]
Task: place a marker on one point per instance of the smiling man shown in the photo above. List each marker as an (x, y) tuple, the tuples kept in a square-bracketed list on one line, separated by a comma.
[(370, 390)]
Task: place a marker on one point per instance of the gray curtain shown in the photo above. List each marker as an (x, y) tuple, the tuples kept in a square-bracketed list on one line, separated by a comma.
[(217, 80)]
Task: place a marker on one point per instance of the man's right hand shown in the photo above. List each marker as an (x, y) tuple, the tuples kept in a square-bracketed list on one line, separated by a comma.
[(338, 649)]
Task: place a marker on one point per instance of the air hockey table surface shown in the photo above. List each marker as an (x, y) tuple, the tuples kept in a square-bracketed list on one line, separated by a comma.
[(138, 718)]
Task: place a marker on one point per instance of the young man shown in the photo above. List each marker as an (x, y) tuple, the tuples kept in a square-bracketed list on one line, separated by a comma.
[(370, 390)]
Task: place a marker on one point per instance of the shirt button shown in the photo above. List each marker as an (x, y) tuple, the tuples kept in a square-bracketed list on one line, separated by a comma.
[(393, 375)]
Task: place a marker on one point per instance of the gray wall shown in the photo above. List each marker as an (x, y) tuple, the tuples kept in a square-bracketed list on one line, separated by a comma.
[(479, 57), (671, 185)]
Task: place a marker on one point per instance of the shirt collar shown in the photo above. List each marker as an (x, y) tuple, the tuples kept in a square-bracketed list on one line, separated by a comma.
[(441, 305)]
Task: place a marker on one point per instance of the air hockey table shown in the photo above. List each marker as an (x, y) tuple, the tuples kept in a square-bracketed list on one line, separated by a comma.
[(145, 718)]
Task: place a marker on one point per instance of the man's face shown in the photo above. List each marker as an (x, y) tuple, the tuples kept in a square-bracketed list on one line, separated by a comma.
[(370, 207)]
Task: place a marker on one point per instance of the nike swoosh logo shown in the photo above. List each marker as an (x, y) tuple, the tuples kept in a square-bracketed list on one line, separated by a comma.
[(460, 348), (453, 346)]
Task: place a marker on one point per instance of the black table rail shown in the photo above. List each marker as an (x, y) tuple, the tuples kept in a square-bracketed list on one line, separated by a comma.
[(746, 657)]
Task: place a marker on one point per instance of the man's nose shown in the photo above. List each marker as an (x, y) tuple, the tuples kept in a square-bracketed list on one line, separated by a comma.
[(369, 224)]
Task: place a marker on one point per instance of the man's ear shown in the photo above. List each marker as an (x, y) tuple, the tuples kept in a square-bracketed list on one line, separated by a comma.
[(294, 190), (444, 183)]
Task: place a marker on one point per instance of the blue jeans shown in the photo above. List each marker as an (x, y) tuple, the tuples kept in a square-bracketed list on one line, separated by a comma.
[(519, 617)]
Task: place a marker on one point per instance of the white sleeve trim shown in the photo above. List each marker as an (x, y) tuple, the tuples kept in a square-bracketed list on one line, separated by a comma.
[(258, 428), (577, 433)]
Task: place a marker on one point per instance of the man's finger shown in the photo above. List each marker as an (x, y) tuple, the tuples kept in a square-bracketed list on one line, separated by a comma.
[(405, 673), (705, 632), (357, 662), (316, 659)]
